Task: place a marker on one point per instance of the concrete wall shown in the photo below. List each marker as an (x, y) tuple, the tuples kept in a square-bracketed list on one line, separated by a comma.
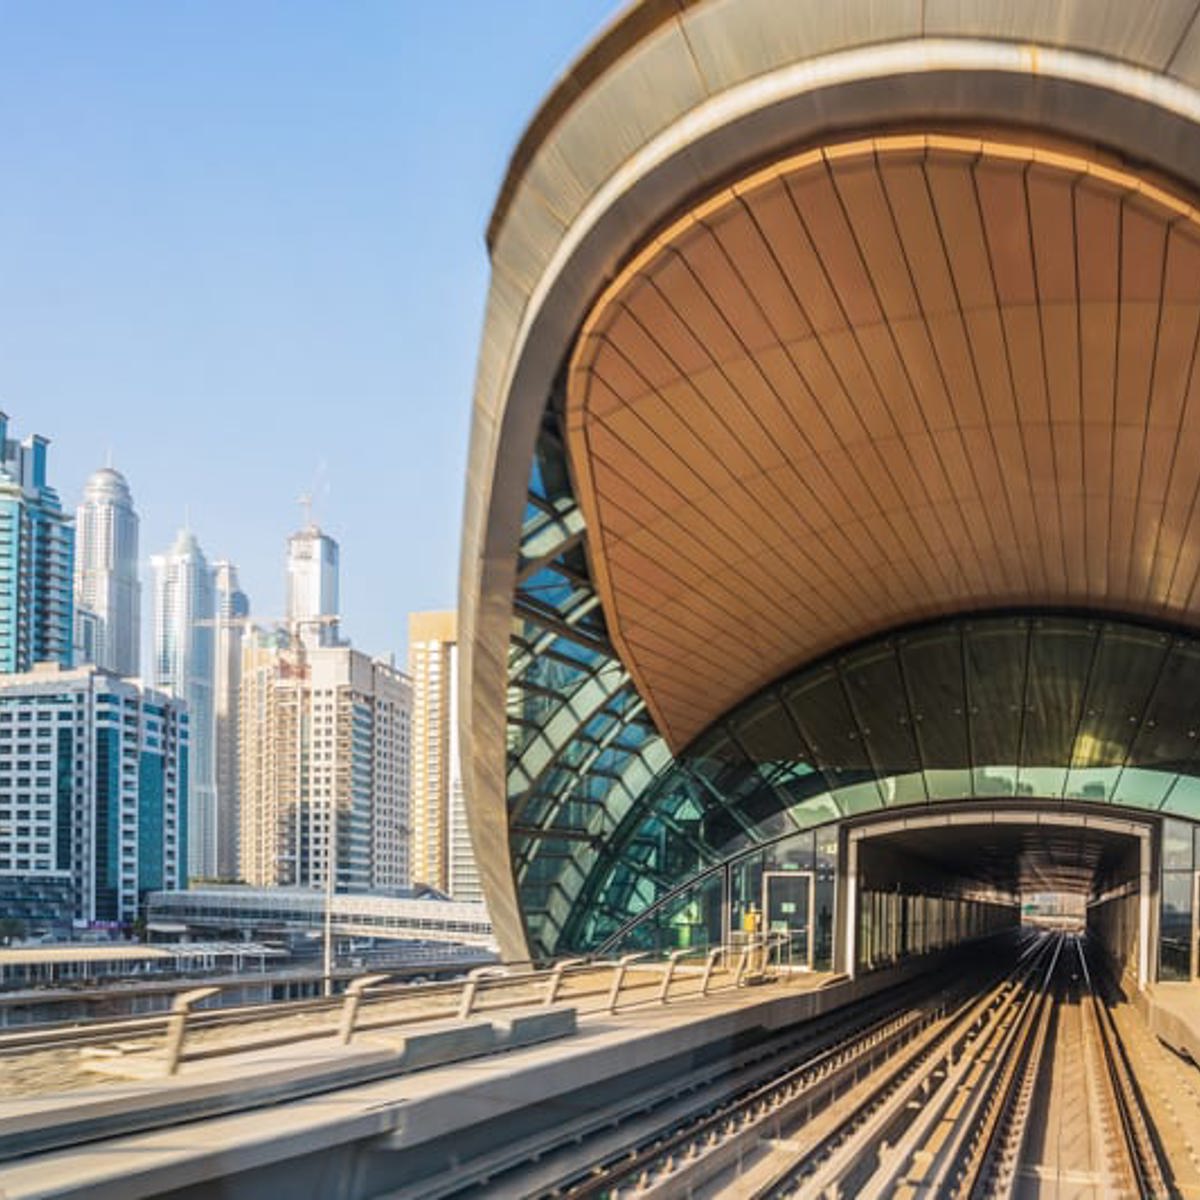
[(1112, 924)]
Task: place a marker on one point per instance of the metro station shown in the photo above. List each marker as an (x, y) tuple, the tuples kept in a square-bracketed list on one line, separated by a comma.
[(831, 540), (829, 655)]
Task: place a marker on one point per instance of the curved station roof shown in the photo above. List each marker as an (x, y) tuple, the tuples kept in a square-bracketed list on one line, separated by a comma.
[(836, 443)]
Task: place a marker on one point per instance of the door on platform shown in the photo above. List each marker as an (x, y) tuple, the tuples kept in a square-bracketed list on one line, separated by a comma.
[(788, 899)]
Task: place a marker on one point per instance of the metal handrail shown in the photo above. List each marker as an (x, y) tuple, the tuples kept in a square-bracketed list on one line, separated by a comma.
[(365, 1003)]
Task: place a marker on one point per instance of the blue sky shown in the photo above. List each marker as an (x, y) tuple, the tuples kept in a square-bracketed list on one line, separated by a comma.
[(241, 248)]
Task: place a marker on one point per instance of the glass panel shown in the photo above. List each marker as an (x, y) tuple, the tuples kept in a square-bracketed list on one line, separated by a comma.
[(1175, 930), (818, 704), (1184, 798), (1060, 653), (1167, 737), (933, 671), (877, 698), (825, 898), (787, 910), (791, 854), (1177, 842), (995, 667), (1123, 674), (745, 895), (689, 921)]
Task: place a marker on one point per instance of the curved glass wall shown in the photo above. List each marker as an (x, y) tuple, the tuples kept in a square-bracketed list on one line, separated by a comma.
[(605, 823), (581, 747), (1060, 707)]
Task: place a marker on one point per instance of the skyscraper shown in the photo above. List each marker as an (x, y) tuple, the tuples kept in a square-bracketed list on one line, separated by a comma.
[(36, 548), (325, 731), (108, 595), (100, 820), (232, 609), (312, 587), (183, 666), (442, 855)]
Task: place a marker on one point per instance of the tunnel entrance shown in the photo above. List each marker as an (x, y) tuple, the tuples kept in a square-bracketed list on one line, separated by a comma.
[(931, 881)]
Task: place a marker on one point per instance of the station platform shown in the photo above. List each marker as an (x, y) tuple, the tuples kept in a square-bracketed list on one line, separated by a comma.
[(1172, 1011), (429, 1117)]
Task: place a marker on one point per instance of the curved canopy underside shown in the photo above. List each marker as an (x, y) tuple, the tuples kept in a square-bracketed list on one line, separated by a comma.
[(881, 381)]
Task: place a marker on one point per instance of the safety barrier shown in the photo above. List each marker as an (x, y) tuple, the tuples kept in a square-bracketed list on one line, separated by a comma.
[(376, 1002)]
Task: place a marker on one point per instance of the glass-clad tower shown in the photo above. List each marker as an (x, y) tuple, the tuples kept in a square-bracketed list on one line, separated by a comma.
[(108, 594), (36, 550), (183, 666), (232, 611)]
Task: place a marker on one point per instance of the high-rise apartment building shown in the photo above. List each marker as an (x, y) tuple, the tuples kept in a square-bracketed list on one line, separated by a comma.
[(312, 587), (442, 855), (93, 780), (232, 610), (36, 551), (183, 666), (108, 595), (462, 871), (324, 760)]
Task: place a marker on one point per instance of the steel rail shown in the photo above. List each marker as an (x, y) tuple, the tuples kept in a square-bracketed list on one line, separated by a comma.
[(989, 1019), (832, 1152), (679, 1159), (1144, 1163), (995, 1099)]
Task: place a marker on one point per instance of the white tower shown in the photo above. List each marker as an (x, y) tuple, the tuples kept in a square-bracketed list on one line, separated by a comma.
[(108, 595), (232, 609), (183, 666), (312, 587)]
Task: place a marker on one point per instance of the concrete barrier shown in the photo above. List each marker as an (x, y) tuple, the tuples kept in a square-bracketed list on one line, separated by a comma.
[(436, 1047), (256, 1079), (527, 1029), (1172, 1011)]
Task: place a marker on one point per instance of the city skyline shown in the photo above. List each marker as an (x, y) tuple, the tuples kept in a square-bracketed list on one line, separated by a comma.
[(237, 244)]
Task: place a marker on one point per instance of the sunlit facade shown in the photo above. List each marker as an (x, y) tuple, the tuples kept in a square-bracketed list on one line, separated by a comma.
[(108, 593), (232, 608), (312, 586), (37, 545), (183, 666), (324, 745), (93, 786)]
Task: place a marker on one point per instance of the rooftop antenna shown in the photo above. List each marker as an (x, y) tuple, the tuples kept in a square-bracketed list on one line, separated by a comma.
[(306, 502), (108, 457)]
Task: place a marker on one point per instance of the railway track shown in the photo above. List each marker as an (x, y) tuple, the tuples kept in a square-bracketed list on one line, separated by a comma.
[(1018, 1086), (696, 1125)]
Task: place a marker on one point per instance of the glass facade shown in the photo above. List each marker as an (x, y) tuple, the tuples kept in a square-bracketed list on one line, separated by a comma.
[(606, 825)]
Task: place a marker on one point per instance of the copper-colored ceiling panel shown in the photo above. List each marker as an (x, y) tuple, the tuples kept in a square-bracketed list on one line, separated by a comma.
[(893, 379)]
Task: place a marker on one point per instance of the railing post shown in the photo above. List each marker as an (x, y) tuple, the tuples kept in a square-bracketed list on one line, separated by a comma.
[(177, 1025), (350, 1005), (668, 974), (709, 966), (555, 981), (619, 970), (743, 962), (472, 986)]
